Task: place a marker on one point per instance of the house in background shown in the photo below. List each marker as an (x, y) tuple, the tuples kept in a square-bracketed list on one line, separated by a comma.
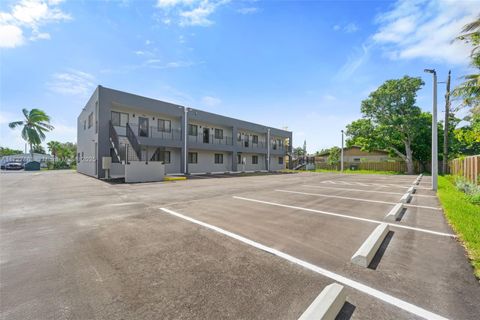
[(355, 154), (133, 129), (23, 158)]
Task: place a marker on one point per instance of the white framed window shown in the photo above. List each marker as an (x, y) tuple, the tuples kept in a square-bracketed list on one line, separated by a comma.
[(90, 120), (164, 125), (119, 119), (192, 157), (254, 159), (218, 133), (192, 130), (218, 158)]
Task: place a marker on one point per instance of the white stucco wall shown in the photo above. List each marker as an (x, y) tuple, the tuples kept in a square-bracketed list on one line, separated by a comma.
[(274, 165), (139, 171), (206, 162), (86, 139), (249, 166)]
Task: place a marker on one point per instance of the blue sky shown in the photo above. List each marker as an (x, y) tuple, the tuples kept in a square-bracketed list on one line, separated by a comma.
[(305, 65)]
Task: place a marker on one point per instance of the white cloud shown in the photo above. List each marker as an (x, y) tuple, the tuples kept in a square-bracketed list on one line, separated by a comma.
[(347, 28), (72, 82), (329, 97), (425, 29), (209, 101), (189, 12), (11, 36), (350, 28), (27, 17), (354, 61), (249, 10)]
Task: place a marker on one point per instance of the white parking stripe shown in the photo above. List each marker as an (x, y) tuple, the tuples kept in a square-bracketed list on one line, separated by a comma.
[(360, 190), (370, 184), (416, 310), (359, 199), (346, 216), (338, 197)]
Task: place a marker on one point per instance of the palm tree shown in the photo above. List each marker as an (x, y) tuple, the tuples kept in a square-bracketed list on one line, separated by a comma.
[(36, 123), (54, 147), (469, 90)]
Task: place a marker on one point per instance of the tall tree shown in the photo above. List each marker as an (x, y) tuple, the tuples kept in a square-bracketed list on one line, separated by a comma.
[(334, 156), (390, 119), (36, 123), (54, 147), (38, 149), (469, 90)]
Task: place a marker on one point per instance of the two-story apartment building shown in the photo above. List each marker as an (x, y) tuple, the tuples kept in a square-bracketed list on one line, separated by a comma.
[(128, 127)]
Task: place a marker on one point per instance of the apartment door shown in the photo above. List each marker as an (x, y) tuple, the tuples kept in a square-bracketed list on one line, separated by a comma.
[(142, 127), (206, 135)]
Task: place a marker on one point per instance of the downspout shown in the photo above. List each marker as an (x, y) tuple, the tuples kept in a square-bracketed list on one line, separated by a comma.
[(268, 149), (185, 134)]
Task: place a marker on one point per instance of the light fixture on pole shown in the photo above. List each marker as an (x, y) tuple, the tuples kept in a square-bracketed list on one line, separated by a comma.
[(341, 160), (434, 132)]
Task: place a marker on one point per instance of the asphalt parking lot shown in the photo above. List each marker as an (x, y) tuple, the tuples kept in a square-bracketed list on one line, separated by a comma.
[(256, 247)]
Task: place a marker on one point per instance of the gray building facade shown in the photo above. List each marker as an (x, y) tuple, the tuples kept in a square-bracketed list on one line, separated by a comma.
[(128, 127)]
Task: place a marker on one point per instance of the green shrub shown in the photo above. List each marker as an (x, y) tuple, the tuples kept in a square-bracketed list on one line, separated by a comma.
[(61, 164), (472, 191)]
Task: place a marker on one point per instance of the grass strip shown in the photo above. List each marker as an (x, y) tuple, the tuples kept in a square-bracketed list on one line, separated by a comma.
[(463, 216)]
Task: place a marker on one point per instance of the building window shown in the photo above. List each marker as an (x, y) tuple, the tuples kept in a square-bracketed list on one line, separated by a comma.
[(192, 157), (164, 125), (239, 136), (119, 119), (90, 120), (85, 125), (165, 156), (218, 158), (192, 130), (255, 139), (239, 158), (82, 155), (280, 160), (78, 157), (254, 159), (218, 134), (356, 159)]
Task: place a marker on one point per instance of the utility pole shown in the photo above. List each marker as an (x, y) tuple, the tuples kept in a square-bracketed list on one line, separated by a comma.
[(445, 132), (434, 132), (341, 160)]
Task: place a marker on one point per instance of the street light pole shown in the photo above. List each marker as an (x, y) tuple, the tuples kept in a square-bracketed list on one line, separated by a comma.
[(434, 132), (341, 161)]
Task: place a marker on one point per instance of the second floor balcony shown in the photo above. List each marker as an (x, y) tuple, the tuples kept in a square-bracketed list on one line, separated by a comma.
[(210, 139), (153, 132)]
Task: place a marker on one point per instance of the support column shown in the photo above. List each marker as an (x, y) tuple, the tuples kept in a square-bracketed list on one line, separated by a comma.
[(184, 149), (235, 146)]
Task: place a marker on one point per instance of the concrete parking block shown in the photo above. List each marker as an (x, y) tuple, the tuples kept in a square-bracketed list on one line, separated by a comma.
[(367, 251), (327, 305), (405, 198), (394, 214)]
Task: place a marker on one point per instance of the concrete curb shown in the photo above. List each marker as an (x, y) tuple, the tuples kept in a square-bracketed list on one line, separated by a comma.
[(411, 190), (394, 214), (367, 251), (327, 304), (405, 198)]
